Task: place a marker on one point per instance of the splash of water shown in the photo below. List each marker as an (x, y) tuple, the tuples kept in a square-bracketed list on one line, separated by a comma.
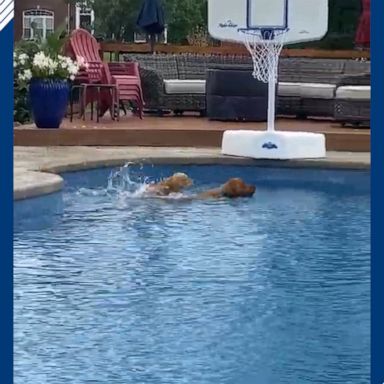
[(126, 183), (123, 181)]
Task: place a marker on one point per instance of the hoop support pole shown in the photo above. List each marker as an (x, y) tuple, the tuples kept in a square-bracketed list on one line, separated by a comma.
[(271, 104)]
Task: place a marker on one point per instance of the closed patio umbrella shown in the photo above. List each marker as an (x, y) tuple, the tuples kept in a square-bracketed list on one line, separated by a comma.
[(151, 19), (363, 35)]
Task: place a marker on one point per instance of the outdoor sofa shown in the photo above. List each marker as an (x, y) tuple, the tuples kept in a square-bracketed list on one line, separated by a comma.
[(353, 100), (307, 87)]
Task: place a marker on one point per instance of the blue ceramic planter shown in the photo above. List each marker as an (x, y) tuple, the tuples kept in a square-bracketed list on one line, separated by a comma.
[(49, 101)]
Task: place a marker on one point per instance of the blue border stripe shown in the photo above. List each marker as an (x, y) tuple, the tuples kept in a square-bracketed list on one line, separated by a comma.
[(377, 148), (6, 204)]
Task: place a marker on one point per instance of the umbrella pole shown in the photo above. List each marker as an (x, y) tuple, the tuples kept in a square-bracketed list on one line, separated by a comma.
[(152, 39)]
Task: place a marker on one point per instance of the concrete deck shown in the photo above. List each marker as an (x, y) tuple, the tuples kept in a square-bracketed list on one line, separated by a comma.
[(36, 168), (185, 131)]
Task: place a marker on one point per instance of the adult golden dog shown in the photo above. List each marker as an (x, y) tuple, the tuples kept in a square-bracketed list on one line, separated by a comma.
[(173, 184), (232, 189)]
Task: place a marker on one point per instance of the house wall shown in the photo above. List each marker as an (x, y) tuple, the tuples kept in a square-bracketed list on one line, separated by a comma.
[(59, 7)]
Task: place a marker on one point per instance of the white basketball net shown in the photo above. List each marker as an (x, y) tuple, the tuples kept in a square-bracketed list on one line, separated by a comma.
[(265, 47)]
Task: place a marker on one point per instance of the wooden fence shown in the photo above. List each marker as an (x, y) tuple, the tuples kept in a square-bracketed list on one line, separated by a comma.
[(116, 49)]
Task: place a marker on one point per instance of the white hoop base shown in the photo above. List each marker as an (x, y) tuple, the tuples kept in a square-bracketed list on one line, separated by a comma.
[(276, 145)]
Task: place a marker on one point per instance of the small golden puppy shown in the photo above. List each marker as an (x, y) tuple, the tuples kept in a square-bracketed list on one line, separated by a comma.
[(232, 189), (173, 184)]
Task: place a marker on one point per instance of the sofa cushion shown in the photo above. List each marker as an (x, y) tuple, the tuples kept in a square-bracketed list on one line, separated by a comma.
[(317, 91), (289, 71), (323, 71), (175, 86), (307, 90), (194, 66), (304, 70), (357, 66), (354, 92), (289, 89)]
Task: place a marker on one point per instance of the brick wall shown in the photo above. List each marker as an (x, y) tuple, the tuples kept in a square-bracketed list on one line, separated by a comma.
[(59, 7)]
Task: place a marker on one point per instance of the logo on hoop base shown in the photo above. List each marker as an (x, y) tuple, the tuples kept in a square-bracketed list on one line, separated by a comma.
[(269, 145)]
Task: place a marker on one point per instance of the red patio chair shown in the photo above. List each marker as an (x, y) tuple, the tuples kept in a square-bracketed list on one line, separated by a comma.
[(125, 76)]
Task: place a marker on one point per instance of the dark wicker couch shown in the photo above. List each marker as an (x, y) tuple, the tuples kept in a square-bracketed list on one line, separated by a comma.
[(353, 100), (158, 70), (307, 87)]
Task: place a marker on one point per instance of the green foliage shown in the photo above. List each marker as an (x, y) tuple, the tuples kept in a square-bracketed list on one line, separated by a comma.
[(343, 21), (116, 19), (54, 43), (183, 17), (21, 112), (29, 47)]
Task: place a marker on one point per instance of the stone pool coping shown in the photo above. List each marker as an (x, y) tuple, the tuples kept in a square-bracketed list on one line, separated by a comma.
[(36, 169)]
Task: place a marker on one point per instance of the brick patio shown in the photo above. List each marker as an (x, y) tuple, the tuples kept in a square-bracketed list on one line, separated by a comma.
[(171, 131)]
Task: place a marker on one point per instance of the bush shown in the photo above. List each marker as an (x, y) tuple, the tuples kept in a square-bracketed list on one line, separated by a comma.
[(21, 111)]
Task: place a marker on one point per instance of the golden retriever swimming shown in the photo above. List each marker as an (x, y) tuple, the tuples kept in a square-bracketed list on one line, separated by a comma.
[(173, 184), (232, 189)]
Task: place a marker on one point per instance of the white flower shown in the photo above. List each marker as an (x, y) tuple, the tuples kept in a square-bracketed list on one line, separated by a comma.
[(40, 60), (81, 62), (58, 66), (23, 57), (73, 69), (65, 62), (72, 77), (25, 75), (28, 74)]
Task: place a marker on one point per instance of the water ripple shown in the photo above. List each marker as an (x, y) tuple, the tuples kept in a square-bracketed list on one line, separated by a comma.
[(273, 289)]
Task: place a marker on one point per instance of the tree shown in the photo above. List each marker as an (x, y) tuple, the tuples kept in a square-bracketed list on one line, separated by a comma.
[(116, 19), (183, 17)]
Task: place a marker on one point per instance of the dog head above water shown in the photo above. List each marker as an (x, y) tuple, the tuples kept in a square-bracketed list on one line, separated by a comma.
[(177, 182), (236, 187)]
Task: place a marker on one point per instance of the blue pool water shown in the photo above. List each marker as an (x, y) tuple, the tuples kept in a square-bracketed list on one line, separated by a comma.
[(112, 288)]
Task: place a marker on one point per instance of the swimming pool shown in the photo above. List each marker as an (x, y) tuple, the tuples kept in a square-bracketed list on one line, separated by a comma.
[(112, 288)]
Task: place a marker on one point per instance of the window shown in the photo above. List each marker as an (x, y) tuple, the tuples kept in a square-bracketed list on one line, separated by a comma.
[(37, 23), (85, 17)]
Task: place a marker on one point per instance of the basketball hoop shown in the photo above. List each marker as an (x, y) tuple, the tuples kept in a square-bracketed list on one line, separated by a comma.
[(265, 46), (264, 26)]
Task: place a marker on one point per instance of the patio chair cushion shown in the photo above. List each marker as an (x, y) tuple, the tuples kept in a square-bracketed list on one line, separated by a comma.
[(307, 90), (354, 92), (289, 89), (184, 87), (317, 91), (354, 66)]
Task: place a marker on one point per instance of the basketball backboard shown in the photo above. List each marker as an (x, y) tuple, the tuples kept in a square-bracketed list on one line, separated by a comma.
[(305, 20)]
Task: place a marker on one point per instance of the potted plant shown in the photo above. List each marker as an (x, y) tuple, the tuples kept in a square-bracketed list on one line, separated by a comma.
[(47, 75)]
